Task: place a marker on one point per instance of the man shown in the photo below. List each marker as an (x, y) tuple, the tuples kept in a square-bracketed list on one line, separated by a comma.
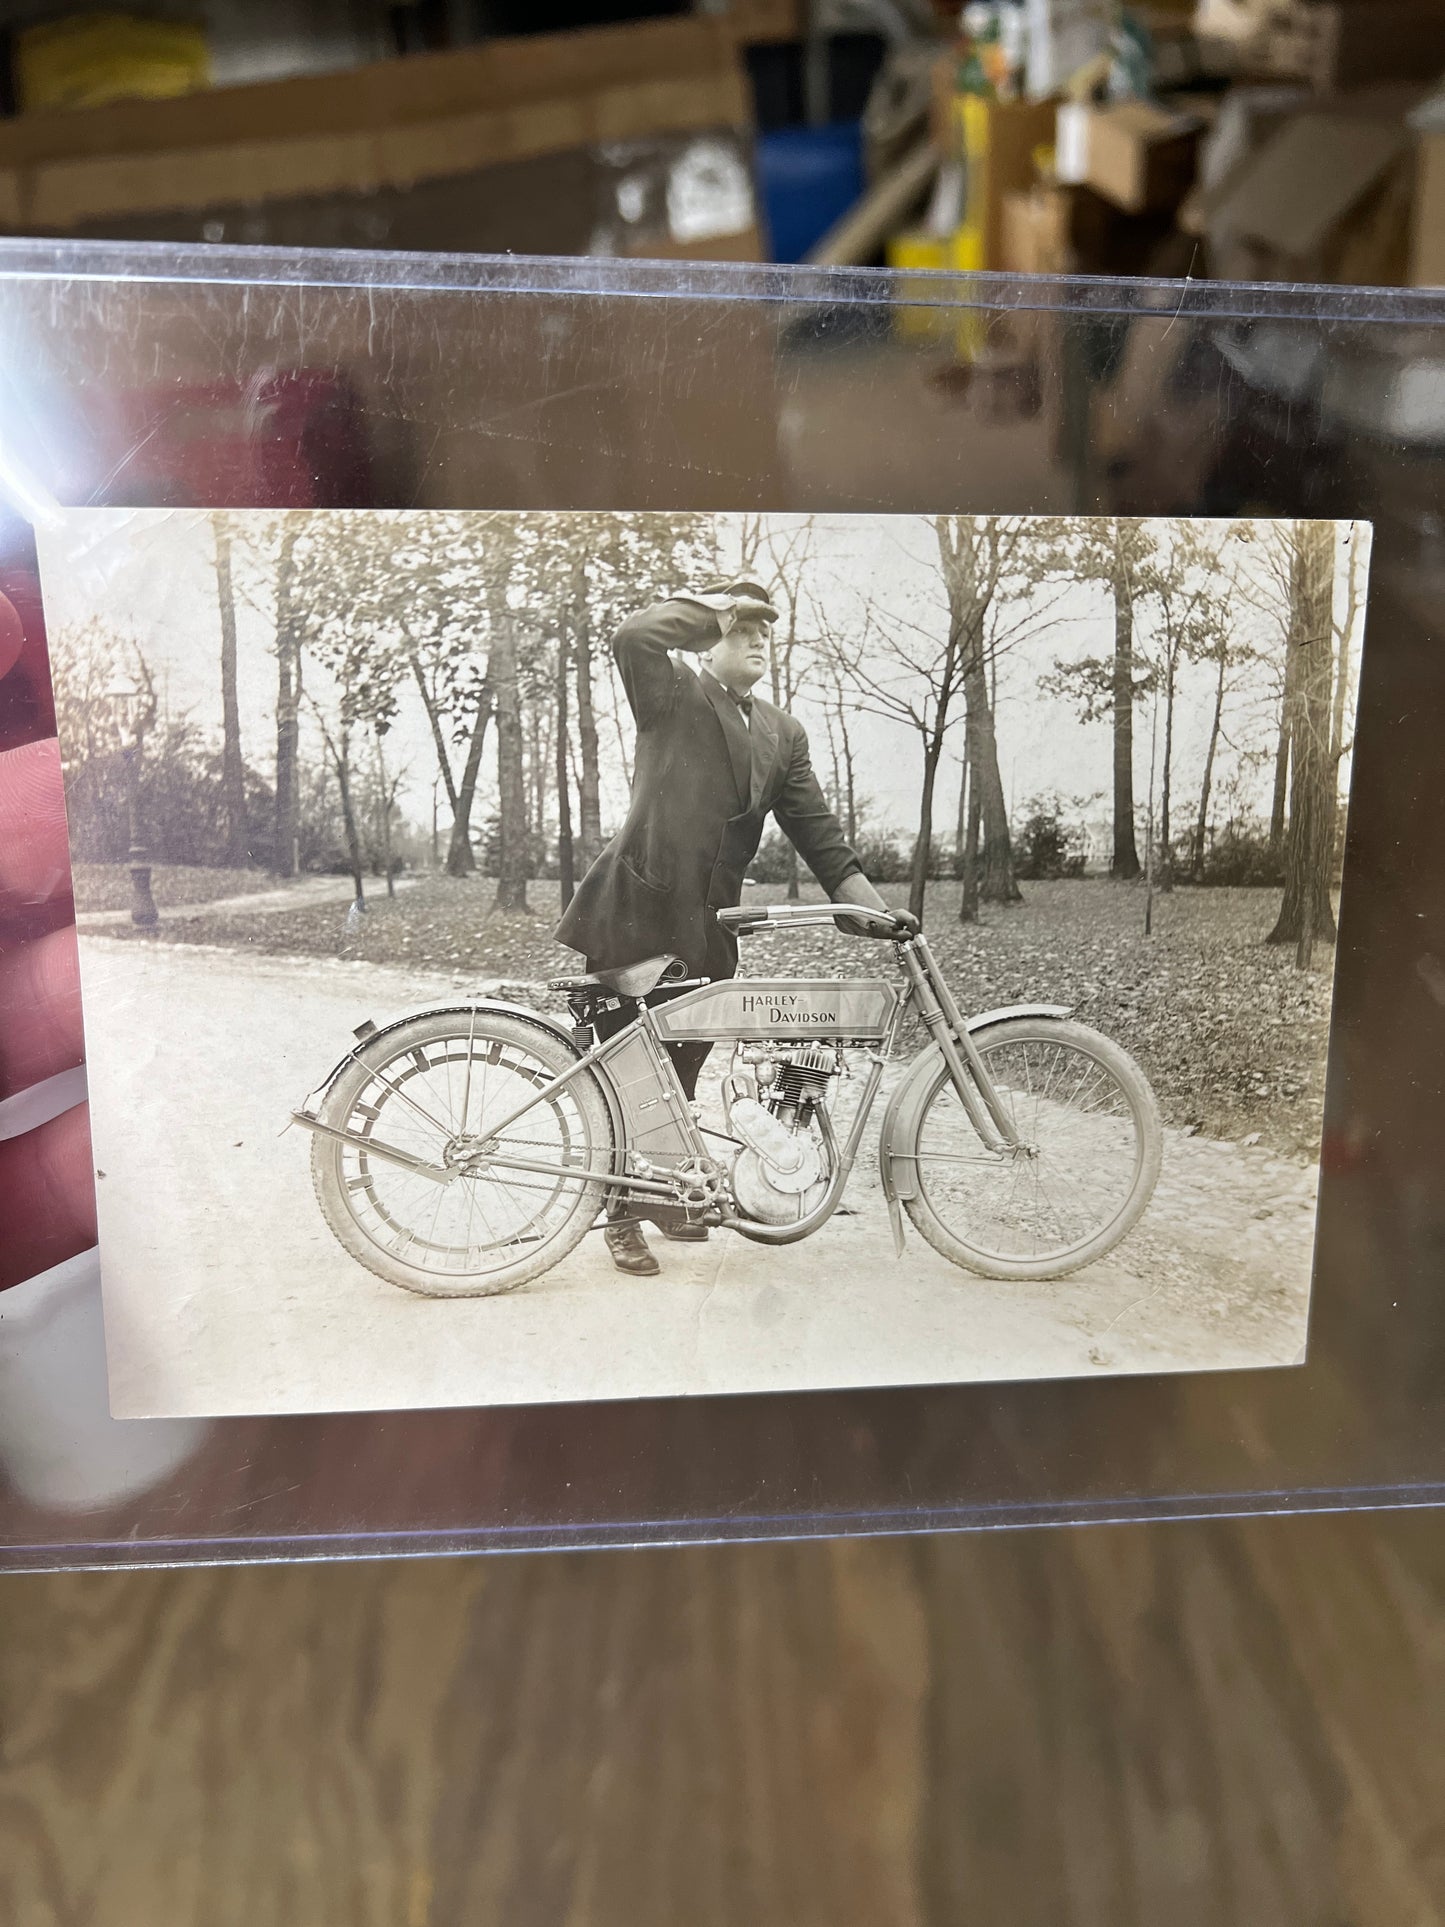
[(713, 762)]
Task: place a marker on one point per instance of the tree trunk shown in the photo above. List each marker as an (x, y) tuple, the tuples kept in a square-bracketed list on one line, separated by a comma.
[(285, 857), (434, 718), (1337, 713), (1164, 863), (386, 799), (589, 797), (1125, 864), (566, 856), (348, 818), (1342, 666), (960, 830), (850, 790), (996, 881), (512, 865), (1201, 824), (968, 896), (233, 769), (461, 860), (918, 875), (922, 849), (1306, 912), (1281, 754)]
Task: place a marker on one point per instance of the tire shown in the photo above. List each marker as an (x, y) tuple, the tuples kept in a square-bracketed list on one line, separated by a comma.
[(422, 1235), (1094, 1170)]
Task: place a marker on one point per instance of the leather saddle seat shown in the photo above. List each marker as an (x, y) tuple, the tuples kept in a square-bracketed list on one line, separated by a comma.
[(628, 980)]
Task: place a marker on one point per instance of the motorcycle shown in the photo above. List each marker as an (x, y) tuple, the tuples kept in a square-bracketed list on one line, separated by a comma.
[(464, 1151)]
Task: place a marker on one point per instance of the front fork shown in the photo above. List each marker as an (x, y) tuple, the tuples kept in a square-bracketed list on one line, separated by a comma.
[(945, 1024)]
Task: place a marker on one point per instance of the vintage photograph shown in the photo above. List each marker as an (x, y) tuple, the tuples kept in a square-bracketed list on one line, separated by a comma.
[(579, 955)]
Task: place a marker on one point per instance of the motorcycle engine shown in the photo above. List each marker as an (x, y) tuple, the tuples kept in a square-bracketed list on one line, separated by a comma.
[(773, 1096)]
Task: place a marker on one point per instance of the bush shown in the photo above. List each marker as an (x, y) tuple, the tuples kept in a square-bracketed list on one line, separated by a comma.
[(884, 859), (773, 862), (1047, 845), (1241, 854)]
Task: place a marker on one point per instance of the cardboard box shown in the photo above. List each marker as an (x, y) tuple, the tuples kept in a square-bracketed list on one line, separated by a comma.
[(998, 140), (756, 23), (356, 147), (1138, 156), (1036, 231), (1326, 197)]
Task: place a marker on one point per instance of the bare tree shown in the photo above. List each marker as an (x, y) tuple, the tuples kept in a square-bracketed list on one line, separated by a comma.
[(931, 673), (1120, 555), (1189, 615)]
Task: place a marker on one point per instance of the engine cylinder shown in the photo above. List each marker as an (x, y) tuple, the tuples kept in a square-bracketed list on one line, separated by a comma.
[(803, 1077)]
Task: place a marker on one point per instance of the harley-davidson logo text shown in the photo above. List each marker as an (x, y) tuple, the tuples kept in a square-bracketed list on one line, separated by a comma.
[(780, 1007)]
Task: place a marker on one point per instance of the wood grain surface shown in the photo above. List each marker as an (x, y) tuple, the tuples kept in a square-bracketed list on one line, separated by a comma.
[(1193, 1724)]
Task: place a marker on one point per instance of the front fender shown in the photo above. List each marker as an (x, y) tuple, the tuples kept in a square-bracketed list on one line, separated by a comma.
[(904, 1113)]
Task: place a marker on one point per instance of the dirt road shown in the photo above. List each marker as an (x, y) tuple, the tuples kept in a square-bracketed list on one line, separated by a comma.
[(226, 1294)]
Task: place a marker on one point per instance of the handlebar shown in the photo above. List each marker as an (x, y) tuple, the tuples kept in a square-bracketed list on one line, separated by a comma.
[(898, 925)]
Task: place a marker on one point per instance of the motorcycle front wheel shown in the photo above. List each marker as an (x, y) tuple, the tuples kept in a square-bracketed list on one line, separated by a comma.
[(1081, 1176), (433, 1087)]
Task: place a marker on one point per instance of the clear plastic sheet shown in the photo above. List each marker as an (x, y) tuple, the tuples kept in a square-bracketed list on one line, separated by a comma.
[(140, 375)]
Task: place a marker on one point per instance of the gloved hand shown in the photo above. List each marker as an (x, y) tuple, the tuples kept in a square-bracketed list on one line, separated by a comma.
[(857, 889), (728, 600)]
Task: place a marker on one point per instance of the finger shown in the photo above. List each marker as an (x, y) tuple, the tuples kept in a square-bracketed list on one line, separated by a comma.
[(40, 1028), (34, 862), (47, 1196)]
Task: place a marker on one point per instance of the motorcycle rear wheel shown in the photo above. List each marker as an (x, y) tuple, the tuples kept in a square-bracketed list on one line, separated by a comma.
[(419, 1088)]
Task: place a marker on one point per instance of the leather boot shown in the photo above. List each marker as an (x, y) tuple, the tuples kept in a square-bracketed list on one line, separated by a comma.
[(629, 1248)]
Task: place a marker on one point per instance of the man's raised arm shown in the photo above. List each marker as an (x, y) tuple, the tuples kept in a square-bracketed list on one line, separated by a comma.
[(642, 644)]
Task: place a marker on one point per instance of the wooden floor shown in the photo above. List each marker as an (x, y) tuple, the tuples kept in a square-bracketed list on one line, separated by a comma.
[(1224, 1723)]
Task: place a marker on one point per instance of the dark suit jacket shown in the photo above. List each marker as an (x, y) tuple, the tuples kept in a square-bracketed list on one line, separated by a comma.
[(704, 785)]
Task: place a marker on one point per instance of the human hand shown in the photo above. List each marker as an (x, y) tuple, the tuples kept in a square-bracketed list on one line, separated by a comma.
[(47, 1193), (858, 890)]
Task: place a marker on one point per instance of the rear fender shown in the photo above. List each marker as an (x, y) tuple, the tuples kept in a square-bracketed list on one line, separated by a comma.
[(905, 1108), (368, 1033)]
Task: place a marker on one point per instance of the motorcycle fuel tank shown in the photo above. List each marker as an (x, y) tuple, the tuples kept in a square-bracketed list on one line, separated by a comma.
[(746, 1013)]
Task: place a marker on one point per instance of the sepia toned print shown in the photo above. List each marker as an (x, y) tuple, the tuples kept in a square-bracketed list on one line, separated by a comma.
[(710, 953)]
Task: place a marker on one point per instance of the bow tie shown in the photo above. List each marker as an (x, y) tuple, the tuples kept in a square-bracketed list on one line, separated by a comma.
[(744, 703)]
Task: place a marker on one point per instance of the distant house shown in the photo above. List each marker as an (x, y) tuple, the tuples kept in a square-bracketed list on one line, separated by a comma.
[(1098, 828)]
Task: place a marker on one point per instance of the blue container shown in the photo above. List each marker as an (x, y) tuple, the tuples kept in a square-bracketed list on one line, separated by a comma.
[(808, 177)]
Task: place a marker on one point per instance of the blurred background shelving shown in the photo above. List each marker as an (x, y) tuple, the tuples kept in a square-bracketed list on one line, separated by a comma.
[(1300, 140)]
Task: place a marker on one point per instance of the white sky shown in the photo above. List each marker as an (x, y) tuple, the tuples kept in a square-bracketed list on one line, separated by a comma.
[(148, 574)]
